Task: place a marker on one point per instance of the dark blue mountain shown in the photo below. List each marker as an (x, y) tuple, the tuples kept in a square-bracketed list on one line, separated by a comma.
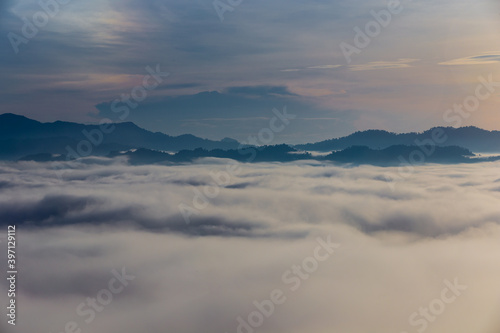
[(472, 138), (277, 153), (27, 139), (21, 136), (356, 155), (401, 154)]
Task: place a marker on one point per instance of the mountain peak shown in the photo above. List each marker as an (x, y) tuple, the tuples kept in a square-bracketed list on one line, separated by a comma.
[(12, 116), (470, 137), (9, 121)]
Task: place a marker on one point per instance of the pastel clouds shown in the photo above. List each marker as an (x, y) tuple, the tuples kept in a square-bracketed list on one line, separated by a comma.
[(379, 65), (483, 59)]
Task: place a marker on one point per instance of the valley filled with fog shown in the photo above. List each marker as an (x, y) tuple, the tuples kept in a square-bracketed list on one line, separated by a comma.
[(201, 249)]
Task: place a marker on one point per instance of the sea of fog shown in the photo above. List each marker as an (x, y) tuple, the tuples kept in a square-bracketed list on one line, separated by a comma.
[(219, 247)]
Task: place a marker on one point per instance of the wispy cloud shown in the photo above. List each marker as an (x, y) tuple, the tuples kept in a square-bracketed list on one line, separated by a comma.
[(483, 59), (324, 67), (311, 67), (400, 63)]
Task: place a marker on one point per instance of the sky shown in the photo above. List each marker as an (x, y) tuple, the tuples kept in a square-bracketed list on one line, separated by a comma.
[(229, 66), (200, 254), (393, 253)]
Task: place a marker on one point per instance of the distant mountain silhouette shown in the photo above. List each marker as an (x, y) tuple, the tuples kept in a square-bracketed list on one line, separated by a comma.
[(21, 136), (25, 139), (356, 155), (400, 154), (278, 153), (472, 138)]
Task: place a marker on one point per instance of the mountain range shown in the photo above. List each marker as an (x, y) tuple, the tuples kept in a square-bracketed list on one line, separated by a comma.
[(22, 138), (475, 139), (356, 155)]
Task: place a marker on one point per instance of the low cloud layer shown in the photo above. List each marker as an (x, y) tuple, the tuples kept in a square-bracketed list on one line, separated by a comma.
[(396, 247)]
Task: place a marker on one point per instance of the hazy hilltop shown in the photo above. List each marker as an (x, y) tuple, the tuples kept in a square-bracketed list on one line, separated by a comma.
[(472, 138), (21, 136)]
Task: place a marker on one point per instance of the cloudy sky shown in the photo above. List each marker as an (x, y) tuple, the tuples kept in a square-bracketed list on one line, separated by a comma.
[(227, 75), (429, 241)]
